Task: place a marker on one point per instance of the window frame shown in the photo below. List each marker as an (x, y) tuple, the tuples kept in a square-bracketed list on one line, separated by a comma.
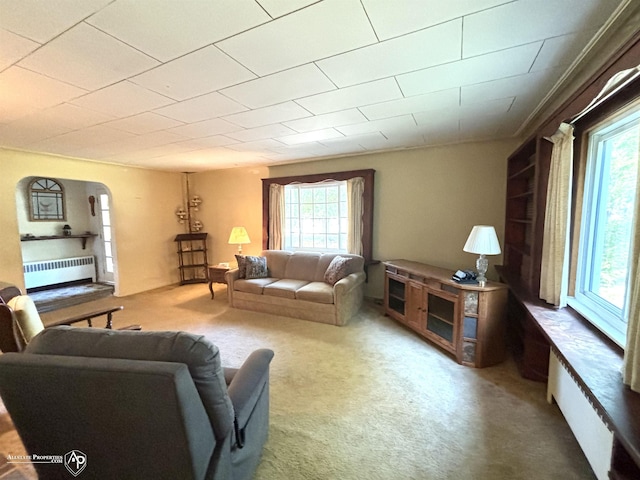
[(597, 313), (367, 200)]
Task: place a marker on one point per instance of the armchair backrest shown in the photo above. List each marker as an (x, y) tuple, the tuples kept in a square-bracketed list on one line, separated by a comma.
[(156, 401)]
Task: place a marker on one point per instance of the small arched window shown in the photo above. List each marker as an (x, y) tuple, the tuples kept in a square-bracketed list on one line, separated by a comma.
[(46, 200)]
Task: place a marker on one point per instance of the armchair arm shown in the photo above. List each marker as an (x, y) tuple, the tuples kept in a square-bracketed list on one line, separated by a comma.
[(91, 315), (247, 384)]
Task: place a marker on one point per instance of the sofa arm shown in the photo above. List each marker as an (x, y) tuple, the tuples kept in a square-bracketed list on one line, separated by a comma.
[(248, 383), (231, 276), (348, 283)]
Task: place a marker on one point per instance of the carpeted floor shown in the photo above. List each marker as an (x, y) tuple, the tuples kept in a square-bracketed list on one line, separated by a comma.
[(369, 400)]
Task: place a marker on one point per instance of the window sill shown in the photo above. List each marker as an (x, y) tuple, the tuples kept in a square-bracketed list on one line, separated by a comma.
[(593, 360)]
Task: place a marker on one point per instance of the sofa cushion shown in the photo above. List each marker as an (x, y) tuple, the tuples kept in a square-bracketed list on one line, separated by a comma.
[(277, 262), (256, 267), (302, 266), (318, 292), (254, 285), (337, 269), (285, 288)]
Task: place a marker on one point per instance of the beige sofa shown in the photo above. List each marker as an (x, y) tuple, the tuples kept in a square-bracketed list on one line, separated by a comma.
[(295, 287)]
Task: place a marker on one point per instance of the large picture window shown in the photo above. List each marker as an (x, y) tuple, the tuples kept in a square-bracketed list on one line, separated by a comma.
[(316, 217), (602, 275)]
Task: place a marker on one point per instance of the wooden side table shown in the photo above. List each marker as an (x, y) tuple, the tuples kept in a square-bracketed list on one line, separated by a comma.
[(215, 274)]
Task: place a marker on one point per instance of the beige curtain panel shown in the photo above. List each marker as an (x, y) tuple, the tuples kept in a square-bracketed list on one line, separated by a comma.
[(355, 189), (276, 216), (554, 272), (632, 352)]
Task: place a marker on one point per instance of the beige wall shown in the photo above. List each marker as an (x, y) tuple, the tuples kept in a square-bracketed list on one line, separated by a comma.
[(231, 198), (427, 201), (143, 206)]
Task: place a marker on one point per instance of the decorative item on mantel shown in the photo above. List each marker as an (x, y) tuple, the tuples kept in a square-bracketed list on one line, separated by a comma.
[(193, 204), (483, 241), (239, 236), (66, 231)]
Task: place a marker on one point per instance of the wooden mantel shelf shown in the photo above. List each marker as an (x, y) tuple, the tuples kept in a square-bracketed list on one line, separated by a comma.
[(83, 236)]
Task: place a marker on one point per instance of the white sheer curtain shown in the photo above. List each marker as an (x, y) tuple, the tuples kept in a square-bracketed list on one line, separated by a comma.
[(632, 350), (276, 216), (355, 189), (554, 271)]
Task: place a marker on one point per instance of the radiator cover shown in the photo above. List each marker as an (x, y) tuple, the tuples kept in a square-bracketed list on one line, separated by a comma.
[(51, 272)]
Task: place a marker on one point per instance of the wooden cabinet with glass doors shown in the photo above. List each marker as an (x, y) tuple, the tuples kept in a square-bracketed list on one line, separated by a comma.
[(465, 320)]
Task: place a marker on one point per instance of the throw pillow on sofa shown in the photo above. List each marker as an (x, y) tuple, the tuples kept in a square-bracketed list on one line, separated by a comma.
[(255, 267), (242, 265), (337, 269)]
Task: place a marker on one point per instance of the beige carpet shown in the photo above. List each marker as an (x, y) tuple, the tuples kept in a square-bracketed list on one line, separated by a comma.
[(367, 401)]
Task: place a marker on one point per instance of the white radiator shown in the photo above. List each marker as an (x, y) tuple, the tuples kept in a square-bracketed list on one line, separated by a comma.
[(592, 433), (51, 272)]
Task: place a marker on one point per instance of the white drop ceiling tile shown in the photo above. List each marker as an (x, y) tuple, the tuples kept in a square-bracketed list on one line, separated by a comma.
[(29, 130), (350, 97), (260, 133), (278, 8), (21, 86), (561, 50), (405, 121), (208, 142), (510, 86), (279, 87), (257, 146), (122, 99), (419, 103), (85, 138), (74, 117), (477, 110), (527, 21), (144, 123), (168, 28), (206, 128), (146, 153), (201, 108), (318, 31), (391, 20), (307, 137), (505, 63), (353, 140), (200, 72), (14, 48), (87, 58), (11, 111), (335, 119), (41, 21), (432, 46), (268, 115)]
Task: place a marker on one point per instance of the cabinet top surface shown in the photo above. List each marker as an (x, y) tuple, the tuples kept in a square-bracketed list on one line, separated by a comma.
[(440, 274)]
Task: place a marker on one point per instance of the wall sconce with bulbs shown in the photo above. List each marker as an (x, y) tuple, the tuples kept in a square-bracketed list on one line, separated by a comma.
[(193, 204)]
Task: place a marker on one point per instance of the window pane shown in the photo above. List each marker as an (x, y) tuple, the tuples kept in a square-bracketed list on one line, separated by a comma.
[(333, 194), (306, 195), (320, 210), (319, 195), (614, 218)]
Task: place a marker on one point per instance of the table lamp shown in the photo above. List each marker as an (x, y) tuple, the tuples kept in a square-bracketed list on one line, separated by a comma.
[(483, 241), (239, 236)]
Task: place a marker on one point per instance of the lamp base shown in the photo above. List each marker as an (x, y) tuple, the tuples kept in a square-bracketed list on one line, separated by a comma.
[(482, 264)]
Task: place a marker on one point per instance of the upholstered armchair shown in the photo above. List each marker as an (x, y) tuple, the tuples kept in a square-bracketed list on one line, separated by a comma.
[(20, 320), (142, 405)]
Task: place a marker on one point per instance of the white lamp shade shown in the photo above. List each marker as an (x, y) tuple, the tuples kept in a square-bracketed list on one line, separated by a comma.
[(483, 241), (239, 236)]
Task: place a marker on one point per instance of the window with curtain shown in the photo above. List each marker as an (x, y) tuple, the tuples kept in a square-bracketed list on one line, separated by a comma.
[(303, 212), (316, 217), (605, 236)]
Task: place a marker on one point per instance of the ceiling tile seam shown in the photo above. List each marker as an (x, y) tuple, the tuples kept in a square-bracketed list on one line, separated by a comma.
[(288, 13), (57, 80), (373, 28), (326, 76), (119, 40)]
